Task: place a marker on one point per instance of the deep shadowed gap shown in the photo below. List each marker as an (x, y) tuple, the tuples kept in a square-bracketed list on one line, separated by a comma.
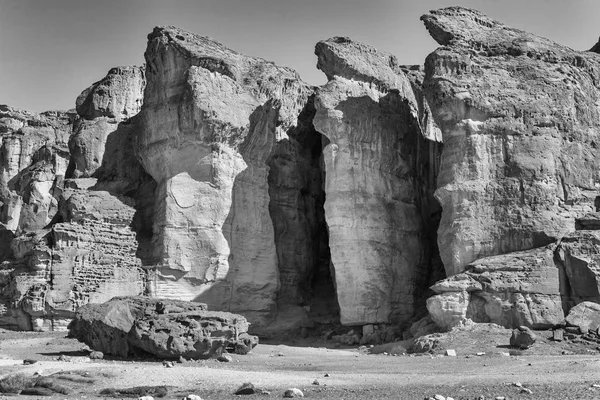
[(296, 189)]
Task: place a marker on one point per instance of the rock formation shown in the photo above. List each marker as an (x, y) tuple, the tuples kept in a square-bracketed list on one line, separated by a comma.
[(369, 112), (80, 243), (520, 127), (225, 179), (167, 329)]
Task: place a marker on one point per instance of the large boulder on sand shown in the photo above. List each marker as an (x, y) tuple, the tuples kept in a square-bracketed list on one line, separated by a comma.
[(585, 316), (168, 329)]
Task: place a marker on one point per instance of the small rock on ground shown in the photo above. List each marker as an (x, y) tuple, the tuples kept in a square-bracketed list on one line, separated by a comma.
[(293, 392), (96, 355), (192, 397), (224, 358), (246, 388)]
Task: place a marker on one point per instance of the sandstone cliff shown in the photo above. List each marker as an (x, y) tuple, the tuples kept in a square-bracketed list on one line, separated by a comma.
[(520, 125), (378, 147), (222, 178)]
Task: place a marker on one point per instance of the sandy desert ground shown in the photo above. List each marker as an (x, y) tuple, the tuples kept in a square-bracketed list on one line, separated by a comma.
[(549, 370)]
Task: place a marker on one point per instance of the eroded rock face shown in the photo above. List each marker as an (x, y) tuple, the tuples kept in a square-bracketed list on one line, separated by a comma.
[(214, 122), (102, 107), (91, 257), (521, 288), (369, 112), (579, 256), (168, 329), (33, 158), (520, 127)]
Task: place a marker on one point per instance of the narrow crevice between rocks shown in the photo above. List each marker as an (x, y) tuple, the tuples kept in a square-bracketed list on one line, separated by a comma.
[(296, 189)]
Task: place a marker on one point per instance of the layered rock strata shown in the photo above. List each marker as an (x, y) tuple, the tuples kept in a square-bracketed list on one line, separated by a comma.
[(217, 177), (34, 158), (370, 113), (520, 127), (221, 138), (167, 329), (87, 251)]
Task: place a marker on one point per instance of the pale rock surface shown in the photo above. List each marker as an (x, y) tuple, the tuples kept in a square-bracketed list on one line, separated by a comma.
[(91, 258), (521, 288), (369, 113), (33, 162), (579, 256), (520, 125), (167, 329), (102, 107), (585, 316), (211, 118)]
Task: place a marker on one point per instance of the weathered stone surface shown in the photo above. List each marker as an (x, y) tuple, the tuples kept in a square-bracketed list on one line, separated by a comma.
[(579, 256), (515, 289), (168, 329), (117, 97), (91, 257), (220, 136), (585, 316), (520, 126), (369, 113), (33, 162), (589, 221), (522, 337)]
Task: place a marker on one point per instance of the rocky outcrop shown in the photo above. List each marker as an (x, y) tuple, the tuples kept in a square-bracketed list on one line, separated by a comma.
[(102, 107), (237, 172), (89, 258), (579, 258), (520, 127), (378, 148), (510, 290), (33, 158), (87, 251), (167, 329), (217, 177)]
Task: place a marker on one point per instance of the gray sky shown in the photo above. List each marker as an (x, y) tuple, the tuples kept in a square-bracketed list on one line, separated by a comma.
[(50, 50)]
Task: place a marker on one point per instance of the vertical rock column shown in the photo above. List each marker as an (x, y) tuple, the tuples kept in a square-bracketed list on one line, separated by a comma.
[(211, 118), (369, 113)]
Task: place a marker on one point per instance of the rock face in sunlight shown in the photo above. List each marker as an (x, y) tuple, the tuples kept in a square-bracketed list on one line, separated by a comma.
[(102, 107), (369, 112), (467, 188), (520, 124), (213, 119), (167, 329)]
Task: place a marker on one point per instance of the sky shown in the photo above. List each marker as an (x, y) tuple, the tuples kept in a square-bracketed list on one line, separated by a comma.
[(51, 50)]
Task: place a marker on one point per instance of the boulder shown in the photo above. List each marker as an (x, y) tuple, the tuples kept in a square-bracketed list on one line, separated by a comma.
[(585, 316), (522, 337), (167, 329), (520, 288)]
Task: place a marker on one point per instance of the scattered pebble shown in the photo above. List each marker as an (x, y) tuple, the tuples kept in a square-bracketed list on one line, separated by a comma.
[(192, 397), (326, 375), (29, 361), (246, 388), (96, 355), (224, 358), (293, 392), (168, 364), (527, 391), (316, 382), (517, 384), (451, 353)]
